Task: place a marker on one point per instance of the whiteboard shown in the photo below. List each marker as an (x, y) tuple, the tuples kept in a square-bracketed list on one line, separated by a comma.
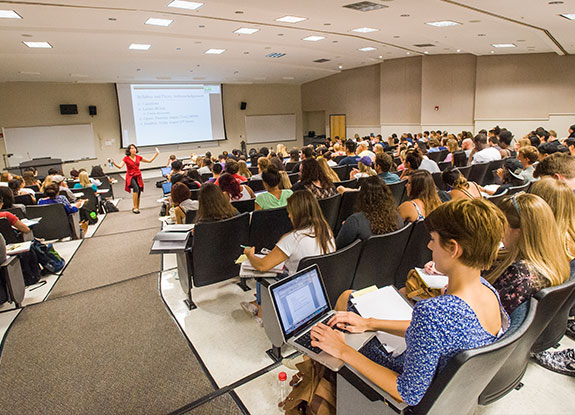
[(66, 142), (269, 128)]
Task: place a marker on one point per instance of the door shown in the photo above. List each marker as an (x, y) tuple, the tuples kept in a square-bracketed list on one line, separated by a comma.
[(337, 126)]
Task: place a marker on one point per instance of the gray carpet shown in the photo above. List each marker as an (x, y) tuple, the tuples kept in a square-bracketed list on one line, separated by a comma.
[(126, 221), (222, 405), (148, 199), (104, 260), (114, 350)]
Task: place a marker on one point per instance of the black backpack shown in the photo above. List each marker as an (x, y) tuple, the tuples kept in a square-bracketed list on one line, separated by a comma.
[(30, 267), (109, 206)]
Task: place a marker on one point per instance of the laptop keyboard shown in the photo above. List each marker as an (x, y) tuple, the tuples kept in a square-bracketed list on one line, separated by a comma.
[(305, 339)]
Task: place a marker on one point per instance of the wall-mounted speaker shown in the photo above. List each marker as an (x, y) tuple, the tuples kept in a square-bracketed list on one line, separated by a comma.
[(92, 110), (243, 105), (67, 109)]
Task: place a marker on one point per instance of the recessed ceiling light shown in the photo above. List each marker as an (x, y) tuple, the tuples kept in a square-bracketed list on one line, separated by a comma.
[(214, 51), (139, 46), (182, 4), (41, 45), (9, 14), (570, 16), (458, 50), (367, 49), (381, 57), (291, 19), (443, 23), (492, 51), (159, 22), (365, 30), (503, 45), (408, 53), (426, 52), (246, 31), (313, 38)]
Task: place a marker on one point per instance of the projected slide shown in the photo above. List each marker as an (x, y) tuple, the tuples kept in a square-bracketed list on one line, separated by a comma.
[(168, 114)]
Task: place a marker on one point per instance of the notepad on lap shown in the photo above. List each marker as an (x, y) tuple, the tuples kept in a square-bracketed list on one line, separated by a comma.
[(433, 281)]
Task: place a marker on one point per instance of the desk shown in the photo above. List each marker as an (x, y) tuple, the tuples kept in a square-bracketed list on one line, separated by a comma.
[(42, 165)]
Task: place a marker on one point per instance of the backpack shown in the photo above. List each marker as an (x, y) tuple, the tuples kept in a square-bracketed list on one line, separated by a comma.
[(47, 256), (90, 217), (109, 206), (30, 267)]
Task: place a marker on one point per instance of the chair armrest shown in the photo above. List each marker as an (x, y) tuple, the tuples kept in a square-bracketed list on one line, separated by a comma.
[(12, 271)]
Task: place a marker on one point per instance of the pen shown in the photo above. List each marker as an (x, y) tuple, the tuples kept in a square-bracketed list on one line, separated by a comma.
[(243, 246)]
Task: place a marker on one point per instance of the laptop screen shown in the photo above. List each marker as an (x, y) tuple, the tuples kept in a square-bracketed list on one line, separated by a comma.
[(299, 299), (166, 171), (167, 187)]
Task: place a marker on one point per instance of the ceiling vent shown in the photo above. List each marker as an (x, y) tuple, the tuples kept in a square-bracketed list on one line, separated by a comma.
[(275, 55), (365, 6), (425, 45), (322, 60)]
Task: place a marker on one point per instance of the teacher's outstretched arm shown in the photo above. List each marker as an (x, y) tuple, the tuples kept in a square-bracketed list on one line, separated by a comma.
[(153, 158), (113, 163)]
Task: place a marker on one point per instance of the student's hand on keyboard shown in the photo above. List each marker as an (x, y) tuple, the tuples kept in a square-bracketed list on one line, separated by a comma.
[(329, 340), (348, 321)]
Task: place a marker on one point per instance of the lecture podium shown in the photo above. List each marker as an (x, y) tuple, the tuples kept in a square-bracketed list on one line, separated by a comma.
[(42, 165)]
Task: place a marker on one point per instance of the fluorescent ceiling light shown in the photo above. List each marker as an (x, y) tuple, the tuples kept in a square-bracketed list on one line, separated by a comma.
[(159, 22), (288, 78), (570, 16), (9, 14), (443, 23), (367, 49), (503, 45), (214, 51), (365, 30), (182, 4), (246, 31), (139, 46), (28, 73), (42, 45), (291, 19), (313, 38)]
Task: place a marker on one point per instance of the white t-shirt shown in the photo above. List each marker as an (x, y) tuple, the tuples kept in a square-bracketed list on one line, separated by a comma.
[(429, 165), (204, 170), (189, 204), (245, 194), (367, 153), (299, 244), (486, 155)]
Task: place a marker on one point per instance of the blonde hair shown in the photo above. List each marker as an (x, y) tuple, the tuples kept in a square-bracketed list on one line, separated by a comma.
[(365, 169), (281, 150), (285, 182), (243, 169), (84, 179), (328, 170), (537, 241), (452, 145), (561, 199), (47, 182)]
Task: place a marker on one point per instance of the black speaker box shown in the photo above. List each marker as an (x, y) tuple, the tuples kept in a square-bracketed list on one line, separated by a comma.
[(243, 105), (92, 110), (66, 109)]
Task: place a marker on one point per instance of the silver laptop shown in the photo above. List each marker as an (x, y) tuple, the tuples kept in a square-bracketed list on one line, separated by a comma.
[(300, 302)]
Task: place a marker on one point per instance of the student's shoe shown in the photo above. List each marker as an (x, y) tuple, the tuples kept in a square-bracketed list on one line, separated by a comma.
[(249, 308), (260, 321), (561, 362), (290, 363), (136, 211)]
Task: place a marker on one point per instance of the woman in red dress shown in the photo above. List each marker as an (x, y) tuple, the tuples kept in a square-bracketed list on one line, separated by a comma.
[(133, 174)]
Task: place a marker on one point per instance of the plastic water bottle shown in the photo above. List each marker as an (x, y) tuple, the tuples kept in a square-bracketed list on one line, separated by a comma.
[(283, 385)]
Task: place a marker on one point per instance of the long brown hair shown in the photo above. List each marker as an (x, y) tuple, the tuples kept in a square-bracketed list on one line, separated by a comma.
[(311, 171), (376, 201), (422, 187), (213, 204), (332, 175), (305, 213)]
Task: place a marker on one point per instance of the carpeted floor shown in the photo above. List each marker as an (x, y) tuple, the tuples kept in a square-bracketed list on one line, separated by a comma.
[(148, 199), (104, 260), (126, 221), (114, 350)]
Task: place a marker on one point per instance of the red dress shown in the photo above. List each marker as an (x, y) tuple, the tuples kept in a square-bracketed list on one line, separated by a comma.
[(133, 172)]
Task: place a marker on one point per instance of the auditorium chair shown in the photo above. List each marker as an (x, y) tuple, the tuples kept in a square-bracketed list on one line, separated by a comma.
[(190, 216), (466, 170), (212, 255), (253, 169), (290, 165), (337, 269), (443, 165), (330, 208), (205, 177), (55, 223), (194, 194), (398, 191), (438, 156), (293, 178), (351, 183), (11, 235), (490, 174), (496, 199), (380, 257), (342, 172), (478, 172), (16, 211), (256, 185), (346, 208), (24, 200), (439, 183), (92, 203), (267, 227), (454, 390), (105, 185), (12, 281), (520, 188), (416, 253), (244, 206)]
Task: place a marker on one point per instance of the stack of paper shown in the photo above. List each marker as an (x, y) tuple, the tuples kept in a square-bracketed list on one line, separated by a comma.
[(247, 270), (433, 281), (179, 228), (31, 222), (18, 248)]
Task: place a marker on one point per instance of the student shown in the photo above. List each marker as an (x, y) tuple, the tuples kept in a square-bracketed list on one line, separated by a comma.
[(233, 189), (311, 235), (383, 166), (560, 166), (306, 153), (483, 152), (274, 197), (18, 189), (460, 187), (364, 169), (243, 169), (30, 181), (452, 147), (213, 205), (465, 235), (180, 196), (315, 180), (171, 159), (216, 172), (12, 219), (64, 189), (85, 182), (263, 164), (413, 159), (232, 167), (206, 166), (177, 169), (528, 155), (531, 260), (376, 214), (5, 177), (52, 197), (510, 176), (423, 196), (351, 157), (329, 172)]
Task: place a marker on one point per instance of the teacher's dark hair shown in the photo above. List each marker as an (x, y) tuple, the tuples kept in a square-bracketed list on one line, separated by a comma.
[(129, 147)]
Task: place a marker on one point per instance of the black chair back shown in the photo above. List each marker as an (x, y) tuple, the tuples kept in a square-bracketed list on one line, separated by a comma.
[(54, 223), (256, 185), (439, 183), (191, 216), (436, 156), (345, 208), (268, 226), (290, 165), (337, 269), (337, 159), (342, 172), (490, 177), (380, 257), (106, 185), (416, 254), (498, 198), (555, 302), (24, 200), (253, 169), (330, 208), (398, 191), (293, 178), (11, 235), (215, 248), (16, 211), (244, 206), (517, 189), (352, 184), (90, 195), (466, 171), (443, 165), (478, 172), (194, 194), (205, 177)]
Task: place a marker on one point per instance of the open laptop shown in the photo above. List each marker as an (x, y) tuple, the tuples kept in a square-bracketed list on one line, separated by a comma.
[(167, 188), (300, 302), (166, 171)]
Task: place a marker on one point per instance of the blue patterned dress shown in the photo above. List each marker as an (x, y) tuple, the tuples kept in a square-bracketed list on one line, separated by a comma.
[(440, 328)]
